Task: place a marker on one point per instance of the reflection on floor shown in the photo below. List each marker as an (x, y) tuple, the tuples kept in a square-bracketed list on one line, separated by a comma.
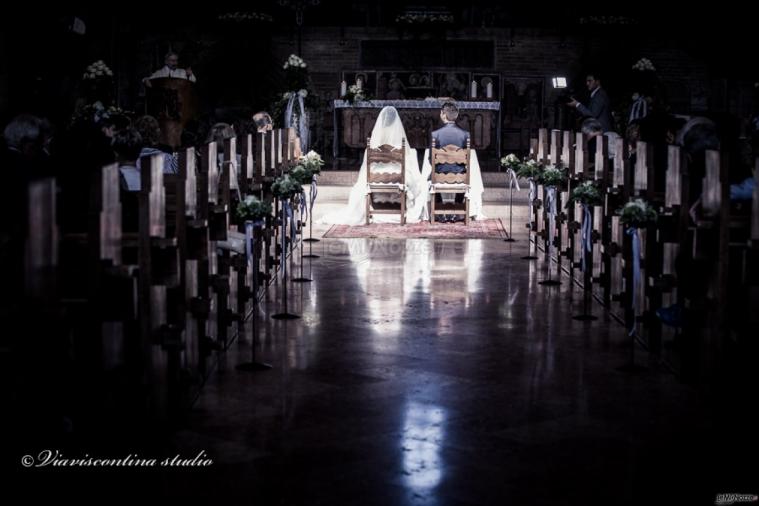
[(440, 372)]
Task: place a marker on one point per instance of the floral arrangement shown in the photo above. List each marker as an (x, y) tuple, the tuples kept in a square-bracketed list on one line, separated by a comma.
[(312, 161), (552, 176), (246, 16), (285, 187), (97, 70), (303, 93), (644, 64), (355, 94), (308, 166), (587, 194), (294, 61), (96, 112), (637, 213), (529, 169), (253, 209), (300, 174), (511, 161), (297, 84), (296, 73)]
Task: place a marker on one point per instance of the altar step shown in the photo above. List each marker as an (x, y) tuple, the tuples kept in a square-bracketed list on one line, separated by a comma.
[(335, 186)]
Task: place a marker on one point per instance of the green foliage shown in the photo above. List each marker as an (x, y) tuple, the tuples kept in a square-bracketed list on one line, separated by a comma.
[(286, 187), (637, 213), (586, 193), (552, 176), (529, 169), (253, 209)]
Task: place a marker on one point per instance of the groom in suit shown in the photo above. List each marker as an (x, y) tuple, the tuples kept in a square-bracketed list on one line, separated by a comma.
[(450, 134)]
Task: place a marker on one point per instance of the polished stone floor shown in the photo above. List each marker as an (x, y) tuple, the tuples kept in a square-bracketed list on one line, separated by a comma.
[(440, 373)]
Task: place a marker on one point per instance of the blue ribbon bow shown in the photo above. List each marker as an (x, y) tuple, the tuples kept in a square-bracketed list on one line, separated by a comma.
[(314, 191), (250, 241), (633, 232), (587, 233), (302, 119), (288, 219), (551, 206), (513, 181), (302, 204)]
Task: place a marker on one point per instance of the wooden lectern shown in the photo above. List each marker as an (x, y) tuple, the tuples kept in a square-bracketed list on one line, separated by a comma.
[(173, 103)]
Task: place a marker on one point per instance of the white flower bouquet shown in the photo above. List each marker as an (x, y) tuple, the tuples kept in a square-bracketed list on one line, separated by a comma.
[(97, 70)]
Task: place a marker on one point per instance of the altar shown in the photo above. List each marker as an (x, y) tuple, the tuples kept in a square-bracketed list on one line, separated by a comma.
[(353, 123)]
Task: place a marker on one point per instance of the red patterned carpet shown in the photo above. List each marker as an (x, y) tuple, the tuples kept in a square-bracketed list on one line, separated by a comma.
[(487, 229)]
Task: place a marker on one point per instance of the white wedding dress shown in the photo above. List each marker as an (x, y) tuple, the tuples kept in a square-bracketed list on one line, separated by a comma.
[(476, 188), (387, 130)]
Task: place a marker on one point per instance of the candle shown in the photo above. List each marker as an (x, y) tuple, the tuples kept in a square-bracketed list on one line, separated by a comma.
[(343, 88), (474, 89), (490, 90), (359, 83)]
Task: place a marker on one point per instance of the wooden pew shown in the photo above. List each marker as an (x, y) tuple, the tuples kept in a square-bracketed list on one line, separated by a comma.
[(210, 212), (579, 173), (541, 231), (533, 219), (560, 221), (190, 306), (617, 194), (41, 251), (111, 328), (673, 226), (600, 229), (160, 342), (246, 170), (571, 225)]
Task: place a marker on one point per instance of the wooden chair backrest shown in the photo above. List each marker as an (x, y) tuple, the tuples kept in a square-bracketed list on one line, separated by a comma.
[(451, 154), (385, 154)]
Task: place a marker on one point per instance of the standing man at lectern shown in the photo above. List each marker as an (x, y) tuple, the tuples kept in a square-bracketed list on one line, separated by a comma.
[(171, 70)]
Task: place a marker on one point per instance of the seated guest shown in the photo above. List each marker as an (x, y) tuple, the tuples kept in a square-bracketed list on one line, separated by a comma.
[(127, 145), (22, 160), (170, 69), (150, 131), (219, 133), (263, 121), (25, 137), (592, 128), (743, 190), (741, 171)]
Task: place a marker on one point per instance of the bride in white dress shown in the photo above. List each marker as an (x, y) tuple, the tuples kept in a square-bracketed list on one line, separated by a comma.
[(387, 130)]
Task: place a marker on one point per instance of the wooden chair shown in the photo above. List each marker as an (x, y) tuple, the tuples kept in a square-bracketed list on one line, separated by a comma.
[(450, 183), (385, 182)]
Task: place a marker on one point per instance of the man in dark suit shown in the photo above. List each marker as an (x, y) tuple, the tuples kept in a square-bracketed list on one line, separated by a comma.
[(450, 134), (599, 106)]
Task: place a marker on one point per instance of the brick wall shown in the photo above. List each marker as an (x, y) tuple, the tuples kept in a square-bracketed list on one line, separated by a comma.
[(537, 54)]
